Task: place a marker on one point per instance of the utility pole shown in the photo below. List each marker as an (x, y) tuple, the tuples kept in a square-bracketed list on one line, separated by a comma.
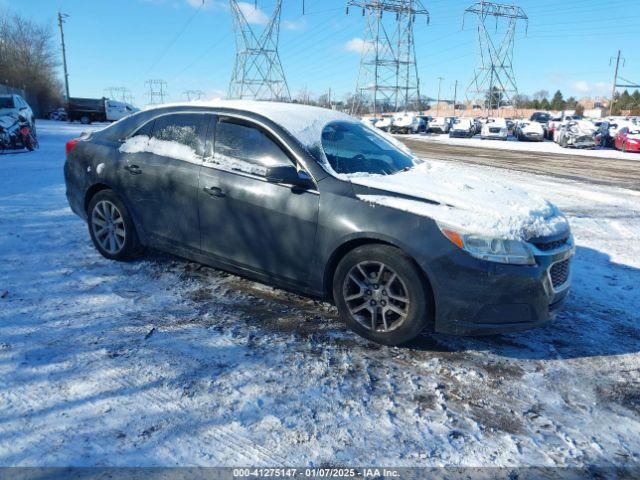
[(61, 17), (455, 97), (438, 104), (615, 82)]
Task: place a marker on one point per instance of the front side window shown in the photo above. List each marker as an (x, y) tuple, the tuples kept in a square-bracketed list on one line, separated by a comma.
[(246, 148), (355, 148)]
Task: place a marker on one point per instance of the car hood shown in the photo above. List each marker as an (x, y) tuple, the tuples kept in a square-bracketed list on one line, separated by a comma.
[(464, 199)]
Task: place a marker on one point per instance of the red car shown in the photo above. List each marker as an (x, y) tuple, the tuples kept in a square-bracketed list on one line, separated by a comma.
[(628, 139)]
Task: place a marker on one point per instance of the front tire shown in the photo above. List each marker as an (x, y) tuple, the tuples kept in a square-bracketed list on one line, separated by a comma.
[(380, 294), (111, 227)]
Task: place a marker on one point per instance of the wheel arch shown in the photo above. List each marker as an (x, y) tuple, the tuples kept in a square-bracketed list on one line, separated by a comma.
[(91, 192), (99, 187), (353, 243)]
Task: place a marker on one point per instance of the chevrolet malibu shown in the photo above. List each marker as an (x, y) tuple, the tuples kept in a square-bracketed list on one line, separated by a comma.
[(315, 201)]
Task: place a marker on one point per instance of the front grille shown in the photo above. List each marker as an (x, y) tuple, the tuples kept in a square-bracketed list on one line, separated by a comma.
[(546, 246), (559, 273), (494, 130)]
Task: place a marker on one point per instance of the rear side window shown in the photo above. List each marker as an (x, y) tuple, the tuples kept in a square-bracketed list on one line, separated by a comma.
[(243, 147), (184, 128)]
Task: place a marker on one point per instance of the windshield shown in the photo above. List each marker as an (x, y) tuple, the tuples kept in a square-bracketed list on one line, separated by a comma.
[(6, 102), (356, 148)]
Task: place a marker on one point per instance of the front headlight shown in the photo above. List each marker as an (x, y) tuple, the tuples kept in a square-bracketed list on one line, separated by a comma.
[(515, 252)]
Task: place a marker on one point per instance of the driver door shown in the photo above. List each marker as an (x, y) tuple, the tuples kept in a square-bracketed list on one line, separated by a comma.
[(245, 220)]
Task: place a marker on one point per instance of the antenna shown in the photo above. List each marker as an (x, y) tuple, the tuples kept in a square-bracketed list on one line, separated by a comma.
[(494, 82), (257, 72), (388, 75)]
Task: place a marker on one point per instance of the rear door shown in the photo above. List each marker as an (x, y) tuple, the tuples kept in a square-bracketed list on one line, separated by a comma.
[(245, 220), (159, 168)]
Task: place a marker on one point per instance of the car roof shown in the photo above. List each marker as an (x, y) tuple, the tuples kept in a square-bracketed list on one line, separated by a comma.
[(304, 122)]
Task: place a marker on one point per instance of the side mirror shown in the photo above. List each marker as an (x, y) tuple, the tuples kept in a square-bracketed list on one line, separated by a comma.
[(288, 175)]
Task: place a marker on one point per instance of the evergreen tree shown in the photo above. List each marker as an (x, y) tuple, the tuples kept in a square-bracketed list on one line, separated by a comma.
[(558, 103)]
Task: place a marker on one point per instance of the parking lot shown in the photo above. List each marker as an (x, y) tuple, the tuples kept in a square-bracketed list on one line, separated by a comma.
[(163, 362)]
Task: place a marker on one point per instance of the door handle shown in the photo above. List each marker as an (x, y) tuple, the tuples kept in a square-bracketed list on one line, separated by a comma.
[(214, 191), (133, 169)]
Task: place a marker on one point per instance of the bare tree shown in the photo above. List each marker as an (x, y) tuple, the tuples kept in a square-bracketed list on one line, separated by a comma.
[(28, 60)]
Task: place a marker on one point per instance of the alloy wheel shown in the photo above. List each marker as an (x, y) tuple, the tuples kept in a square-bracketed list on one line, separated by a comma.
[(376, 296), (108, 226)]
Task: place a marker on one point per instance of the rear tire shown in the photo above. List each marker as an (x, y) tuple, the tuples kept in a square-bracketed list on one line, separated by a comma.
[(381, 296), (111, 227)]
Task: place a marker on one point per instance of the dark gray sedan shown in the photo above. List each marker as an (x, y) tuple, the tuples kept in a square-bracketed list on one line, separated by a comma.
[(317, 202)]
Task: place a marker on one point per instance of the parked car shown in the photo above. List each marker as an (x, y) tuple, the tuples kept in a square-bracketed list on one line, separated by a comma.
[(577, 134), (462, 127), (16, 106), (529, 131), (540, 117), (408, 123), (552, 126), (439, 125), (59, 114), (495, 129), (628, 139), (267, 190), (88, 110), (385, 123), (603, 136), (371, 121)]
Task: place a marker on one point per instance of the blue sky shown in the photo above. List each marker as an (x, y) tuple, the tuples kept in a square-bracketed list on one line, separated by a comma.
[(125, 42)]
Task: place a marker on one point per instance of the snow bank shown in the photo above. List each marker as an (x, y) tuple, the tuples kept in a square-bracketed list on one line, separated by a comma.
[(142, 143), (466, 200)]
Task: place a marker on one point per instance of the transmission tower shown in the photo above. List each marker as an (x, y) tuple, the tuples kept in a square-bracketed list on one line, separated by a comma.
[(119, 93), (388, 76), (157, 91), (193, 94), (494, 82), (257, 72)]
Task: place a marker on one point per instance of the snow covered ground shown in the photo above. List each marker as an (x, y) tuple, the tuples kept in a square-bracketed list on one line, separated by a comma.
[(163, 362), (513, 144)]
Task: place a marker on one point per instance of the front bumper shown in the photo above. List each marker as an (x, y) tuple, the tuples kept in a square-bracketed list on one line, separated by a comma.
[(475, 297)]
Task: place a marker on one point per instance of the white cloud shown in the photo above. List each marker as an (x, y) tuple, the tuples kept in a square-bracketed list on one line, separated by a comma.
[(357, 45), (252, 14), (293, 24), (586, 88), (582, 86)]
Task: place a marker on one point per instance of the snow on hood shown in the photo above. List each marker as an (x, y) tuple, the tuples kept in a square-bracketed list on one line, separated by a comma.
[(303, 122), (533, 127), (466, 200)]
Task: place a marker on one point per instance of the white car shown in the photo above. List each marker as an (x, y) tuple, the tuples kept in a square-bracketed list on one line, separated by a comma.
[(463, 127), (439, 125), (385, 123), (408, 123), (370, 121), (529, 131), (495, 129), (16, 105)]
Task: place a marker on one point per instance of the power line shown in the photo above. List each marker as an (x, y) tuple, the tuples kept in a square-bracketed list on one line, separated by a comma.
[(157, 92)]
